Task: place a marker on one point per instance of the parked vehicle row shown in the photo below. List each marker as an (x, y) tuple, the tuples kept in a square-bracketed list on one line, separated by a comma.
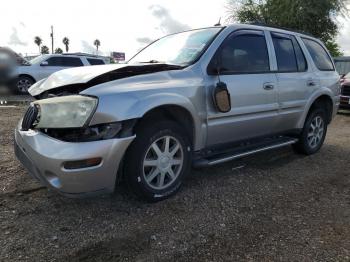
[(43, 66), (345, 92), (196, 98)]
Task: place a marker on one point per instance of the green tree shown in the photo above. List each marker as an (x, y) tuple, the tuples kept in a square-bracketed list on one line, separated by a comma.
[(317, 17), (58, 51), (45, 50), (65, 41), (38, 41), (97, 43)]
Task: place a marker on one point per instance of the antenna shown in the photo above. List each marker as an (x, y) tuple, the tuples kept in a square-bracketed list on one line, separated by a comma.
[(218, 23)]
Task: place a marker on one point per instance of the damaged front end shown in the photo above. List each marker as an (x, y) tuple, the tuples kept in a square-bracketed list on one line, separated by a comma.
[(67, 119), (76, 80)]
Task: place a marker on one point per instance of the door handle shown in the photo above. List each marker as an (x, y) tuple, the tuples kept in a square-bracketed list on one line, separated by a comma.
[(311, 83), (269, 86)]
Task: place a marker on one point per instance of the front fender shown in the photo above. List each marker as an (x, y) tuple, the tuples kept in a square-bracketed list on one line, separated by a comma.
[(131, 106)]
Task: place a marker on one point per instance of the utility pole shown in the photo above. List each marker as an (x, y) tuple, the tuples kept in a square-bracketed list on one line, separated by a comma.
[(52, 39)]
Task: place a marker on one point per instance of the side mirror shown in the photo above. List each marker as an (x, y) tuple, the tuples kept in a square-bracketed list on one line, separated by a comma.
[(44, 63), (222, 98)]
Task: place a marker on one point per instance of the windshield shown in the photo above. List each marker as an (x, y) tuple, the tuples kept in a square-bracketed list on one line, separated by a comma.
[(37, 59), (179, 49)]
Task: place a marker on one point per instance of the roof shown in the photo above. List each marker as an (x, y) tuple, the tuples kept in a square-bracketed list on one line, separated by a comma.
[(281, 28), (342, 59)]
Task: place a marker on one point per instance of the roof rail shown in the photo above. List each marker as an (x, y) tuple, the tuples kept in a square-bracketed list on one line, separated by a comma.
[(280, 27), (81, 54)]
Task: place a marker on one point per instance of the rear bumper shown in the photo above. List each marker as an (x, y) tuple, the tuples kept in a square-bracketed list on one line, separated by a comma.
[(44, 156)]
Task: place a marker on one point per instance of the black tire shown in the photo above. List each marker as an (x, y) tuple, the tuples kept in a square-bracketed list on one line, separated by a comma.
[(139, 150), (303, 146), (22, 84)]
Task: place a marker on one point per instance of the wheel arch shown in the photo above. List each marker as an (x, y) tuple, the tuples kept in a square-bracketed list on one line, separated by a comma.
[(323, 100), (27, 75), (173, 112)]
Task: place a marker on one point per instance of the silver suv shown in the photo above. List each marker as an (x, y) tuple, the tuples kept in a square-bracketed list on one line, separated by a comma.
[(196, 98)]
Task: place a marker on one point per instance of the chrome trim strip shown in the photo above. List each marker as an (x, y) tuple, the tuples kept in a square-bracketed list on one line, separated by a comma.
[(222, 160)]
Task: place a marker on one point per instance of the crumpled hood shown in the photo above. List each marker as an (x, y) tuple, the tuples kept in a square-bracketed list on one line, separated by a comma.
[(87, 76)]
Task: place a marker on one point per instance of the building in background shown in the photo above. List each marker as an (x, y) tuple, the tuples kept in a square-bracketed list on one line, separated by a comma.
[(118, 57), (342, 64)]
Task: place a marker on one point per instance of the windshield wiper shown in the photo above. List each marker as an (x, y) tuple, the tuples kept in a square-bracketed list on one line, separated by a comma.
[(153, 61)]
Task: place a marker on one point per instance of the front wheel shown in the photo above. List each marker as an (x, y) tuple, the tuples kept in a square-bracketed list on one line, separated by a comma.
[(313, 134), (158, 160), (22, 84)]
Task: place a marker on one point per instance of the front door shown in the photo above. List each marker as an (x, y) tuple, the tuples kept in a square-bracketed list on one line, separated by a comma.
[(243, 65)]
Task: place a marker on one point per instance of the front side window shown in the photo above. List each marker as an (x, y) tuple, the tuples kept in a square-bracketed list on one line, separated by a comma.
[(179, 49), (245, 53), (319, 55)]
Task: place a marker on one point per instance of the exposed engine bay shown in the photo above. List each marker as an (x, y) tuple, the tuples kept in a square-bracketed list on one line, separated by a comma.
[(124, 72)]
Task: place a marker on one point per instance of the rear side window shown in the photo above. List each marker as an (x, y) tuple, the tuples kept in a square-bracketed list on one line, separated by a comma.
[(286, 59), (93, 61), (245, 53), (319, 55), (289, 55), (71, 61)]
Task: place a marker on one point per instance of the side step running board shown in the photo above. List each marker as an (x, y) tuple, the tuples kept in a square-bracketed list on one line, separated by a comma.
[(241, 152)]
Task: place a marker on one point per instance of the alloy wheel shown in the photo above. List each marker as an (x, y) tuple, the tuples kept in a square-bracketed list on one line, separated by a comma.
[(23, 85), (315, 133), (163, 162)]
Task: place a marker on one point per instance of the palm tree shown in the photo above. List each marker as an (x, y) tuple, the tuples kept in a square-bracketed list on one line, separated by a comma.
[(58, 51), (66, 43), (45, 50), (97, 43), (38, 41)]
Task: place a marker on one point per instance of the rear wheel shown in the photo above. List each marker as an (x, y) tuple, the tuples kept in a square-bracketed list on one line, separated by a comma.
[(157, 161), (314, 133)]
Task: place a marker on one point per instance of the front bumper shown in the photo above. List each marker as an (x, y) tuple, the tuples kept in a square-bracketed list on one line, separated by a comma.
[(43, 157)]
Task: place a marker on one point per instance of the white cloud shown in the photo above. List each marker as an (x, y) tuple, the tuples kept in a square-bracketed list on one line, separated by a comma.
[(88, 48), (15, 40), (343, 38), (144, 40), (168, 24)]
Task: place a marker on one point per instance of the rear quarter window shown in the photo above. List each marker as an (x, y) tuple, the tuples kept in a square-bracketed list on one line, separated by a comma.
[(319, 55), (93, 61)]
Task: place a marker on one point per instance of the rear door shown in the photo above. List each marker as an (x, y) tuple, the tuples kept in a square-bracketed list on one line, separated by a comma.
[(294, 78), (245, 68)]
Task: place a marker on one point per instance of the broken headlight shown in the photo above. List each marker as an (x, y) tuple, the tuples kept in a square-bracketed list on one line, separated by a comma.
[(91, 133), (65, 112)]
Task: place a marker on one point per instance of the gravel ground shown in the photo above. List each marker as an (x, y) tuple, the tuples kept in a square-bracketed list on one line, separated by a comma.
[(276, 206)]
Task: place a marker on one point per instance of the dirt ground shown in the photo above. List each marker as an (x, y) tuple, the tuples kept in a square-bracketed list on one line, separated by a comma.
[(275, 206)]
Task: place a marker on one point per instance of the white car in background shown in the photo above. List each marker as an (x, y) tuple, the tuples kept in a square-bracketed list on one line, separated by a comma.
[(43, 66)]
